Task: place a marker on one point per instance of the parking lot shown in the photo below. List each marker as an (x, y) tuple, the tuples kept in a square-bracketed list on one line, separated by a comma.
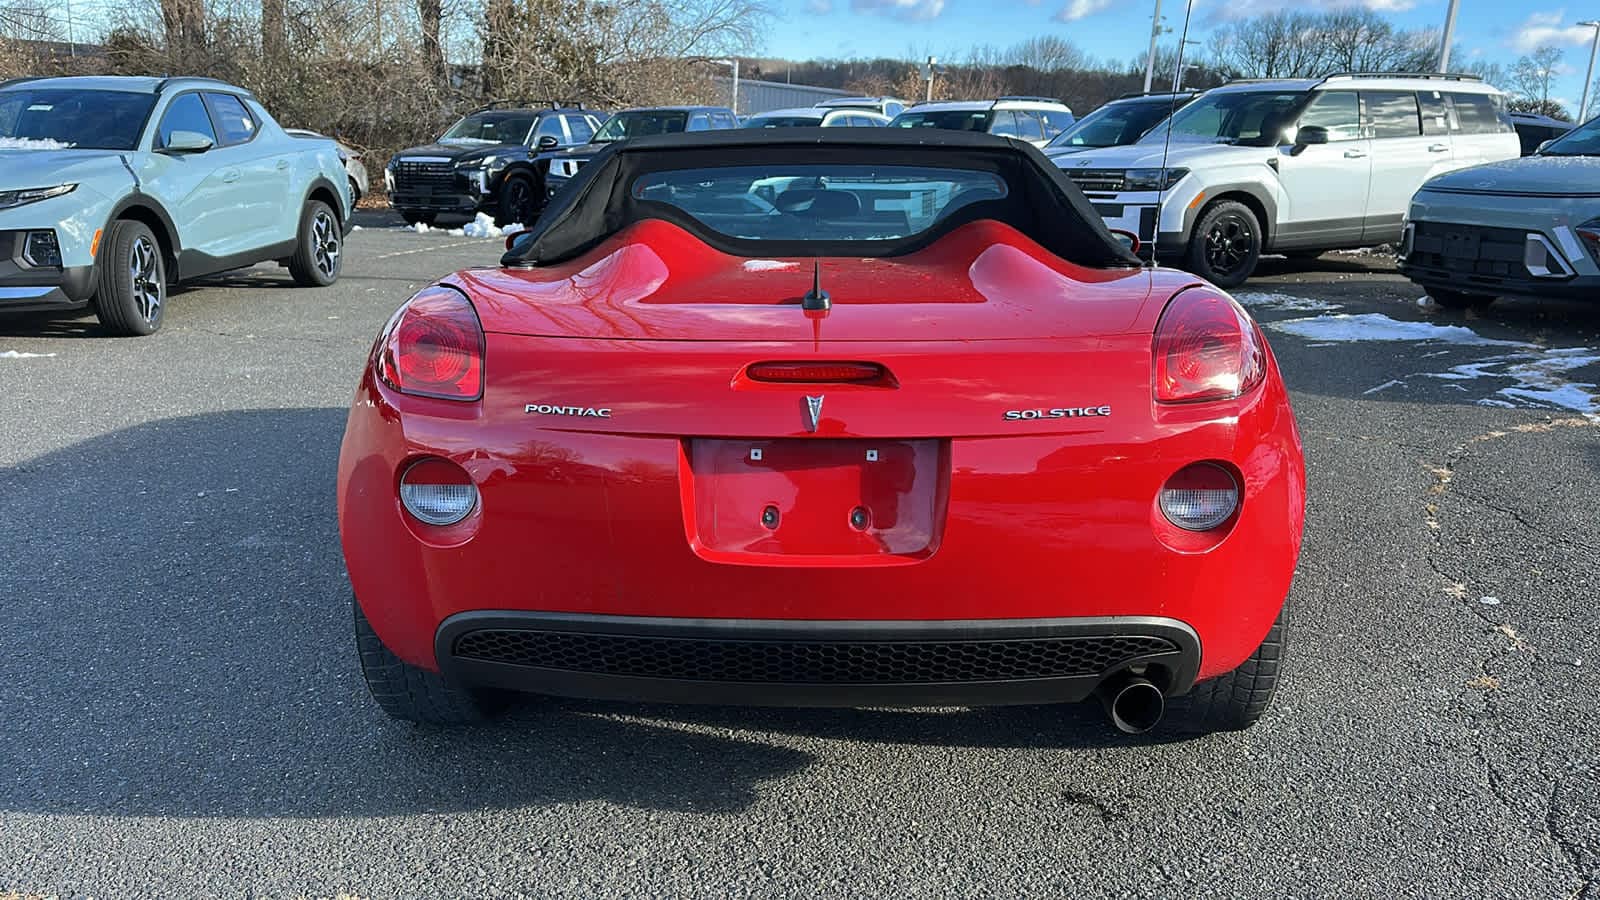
[(183, 713)]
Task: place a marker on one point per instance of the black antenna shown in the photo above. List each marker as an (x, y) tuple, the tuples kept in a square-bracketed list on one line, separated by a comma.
[(1166, 144), (816, 299)]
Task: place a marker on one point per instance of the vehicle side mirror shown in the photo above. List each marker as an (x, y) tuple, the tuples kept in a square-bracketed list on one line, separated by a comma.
[(1307, 136), (1543, 145), (188, 142), (547, 142), (1127, 239)]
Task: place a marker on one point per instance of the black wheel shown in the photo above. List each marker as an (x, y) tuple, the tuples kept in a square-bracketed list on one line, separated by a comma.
[(1233, 702), (417, 695), (319, 255), (1226, 244), (416, 217), (519, 202), (1458, 300), (131, 280)]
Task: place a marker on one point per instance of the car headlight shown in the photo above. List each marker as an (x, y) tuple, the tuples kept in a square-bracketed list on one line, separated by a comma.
[(486, 163), (1152, 179), (1589, 233), (9, 199)]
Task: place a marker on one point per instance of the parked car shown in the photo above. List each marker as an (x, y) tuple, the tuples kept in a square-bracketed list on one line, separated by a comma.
[(821, 417), (120, 187), (1033, 119), (558, 167), (485, 163), (1295, 166), (883, 106), (1534, 130), (1526, 227), (353, 165), (1118, 123), (816, 117)]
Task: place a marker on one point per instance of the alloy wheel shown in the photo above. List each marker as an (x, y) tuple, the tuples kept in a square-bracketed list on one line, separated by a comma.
[(519, 201), (149, 287), (325, 243), (1228, 244)]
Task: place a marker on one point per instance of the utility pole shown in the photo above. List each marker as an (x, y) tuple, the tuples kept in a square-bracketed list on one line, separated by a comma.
[(1588, 80), (932, 61), (1155, 32), (1448, 38), (734, 65), (1181, 66)]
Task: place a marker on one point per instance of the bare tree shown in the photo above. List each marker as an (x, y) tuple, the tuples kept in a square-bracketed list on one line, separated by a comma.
[(1534, 74), (1046, 53)]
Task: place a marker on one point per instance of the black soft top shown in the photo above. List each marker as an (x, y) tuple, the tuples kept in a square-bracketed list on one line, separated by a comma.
[(1041, 202)]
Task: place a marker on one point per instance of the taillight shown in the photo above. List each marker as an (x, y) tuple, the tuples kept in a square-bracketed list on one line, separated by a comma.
[(1206, 348), (1589, 233), (1200, 497), (434, 347), (437, 491)]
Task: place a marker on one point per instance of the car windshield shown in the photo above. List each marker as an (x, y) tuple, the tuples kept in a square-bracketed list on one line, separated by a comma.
[(833, 202), (795, 121), (1581, 141), (509, 127), (639, 123), (1248, 118), (64, 118), (1116, 124), (948, 119)]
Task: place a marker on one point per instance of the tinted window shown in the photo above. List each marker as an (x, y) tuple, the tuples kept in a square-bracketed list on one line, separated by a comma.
[(492, 128), (1247, 118), (724, 120), (581, 130), (1480, 114), (1435, 113), (1115, 124), (795, 121), (99, 120), (1393, 113), (950, 119), (1337, 111), (1028, 126), (822, 202), (234, 123), (186, 113), (639, 123), (1581, 141), (699, 122), (1055, 121), (550, 126)]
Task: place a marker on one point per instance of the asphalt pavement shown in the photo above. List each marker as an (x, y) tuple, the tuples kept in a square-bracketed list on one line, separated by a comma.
[(181, 713)]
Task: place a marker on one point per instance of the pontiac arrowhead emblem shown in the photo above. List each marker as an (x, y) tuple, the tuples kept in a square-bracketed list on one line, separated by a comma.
[(813, 413)]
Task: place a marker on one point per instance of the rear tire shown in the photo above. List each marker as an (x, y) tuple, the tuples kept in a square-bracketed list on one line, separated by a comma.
[(518, 203), (319, 253), (1235, 701), (130, 280), (1459, 301), (1226, 244), (414, 694)]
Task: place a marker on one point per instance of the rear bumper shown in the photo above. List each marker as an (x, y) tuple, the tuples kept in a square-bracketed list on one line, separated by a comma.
[(812, 663)]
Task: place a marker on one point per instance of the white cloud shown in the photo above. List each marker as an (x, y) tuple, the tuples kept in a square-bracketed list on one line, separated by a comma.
[(1232, 10), (1081, 9), (1543, 28), (819, 7), (904, 10)]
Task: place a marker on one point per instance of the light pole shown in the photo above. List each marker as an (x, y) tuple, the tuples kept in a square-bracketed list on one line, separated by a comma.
[(932, 62), (1180, 66), (1155, 32), (1588, 80), (1449, 36), (733, 64)]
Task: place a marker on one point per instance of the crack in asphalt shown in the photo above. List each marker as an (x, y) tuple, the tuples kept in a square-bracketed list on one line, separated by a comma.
[(1107, 812), (1568, 848)]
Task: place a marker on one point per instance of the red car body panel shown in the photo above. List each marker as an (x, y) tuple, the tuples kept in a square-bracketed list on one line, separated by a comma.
[(654, 510)]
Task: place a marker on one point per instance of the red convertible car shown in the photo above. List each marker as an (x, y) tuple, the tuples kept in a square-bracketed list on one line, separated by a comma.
[(822, 417)]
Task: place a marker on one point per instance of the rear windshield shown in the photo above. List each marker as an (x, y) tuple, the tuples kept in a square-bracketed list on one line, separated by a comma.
[(818, 202), (948, 119), (783, 121), (639, 123), (65, 117)]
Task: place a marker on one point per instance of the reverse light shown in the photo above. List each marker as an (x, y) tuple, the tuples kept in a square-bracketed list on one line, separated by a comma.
[(1589, 233), (437, 491), (1151, 179), (1206, 348), (434, 347), (1199, 497)]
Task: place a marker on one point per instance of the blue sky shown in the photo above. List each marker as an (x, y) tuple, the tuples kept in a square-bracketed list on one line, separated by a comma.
[(1117, 29)]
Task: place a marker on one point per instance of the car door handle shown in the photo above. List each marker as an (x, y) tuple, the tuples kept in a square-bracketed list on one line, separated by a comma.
[(1439, 148), (283, 164), (1354, 154), (230, 176)]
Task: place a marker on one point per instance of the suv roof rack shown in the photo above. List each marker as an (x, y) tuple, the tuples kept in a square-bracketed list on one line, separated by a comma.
[(203, 79), (1131, 94), (1431, 76), (1028, 98), (523, 103)]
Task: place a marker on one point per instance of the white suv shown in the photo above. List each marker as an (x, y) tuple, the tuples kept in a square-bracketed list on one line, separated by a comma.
[(1033, 119), (1293, 167)]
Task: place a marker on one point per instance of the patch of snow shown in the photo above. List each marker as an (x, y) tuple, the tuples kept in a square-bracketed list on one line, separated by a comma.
[(1286, 302), (1539, 379), (483, 226), (355, 227), (1379, 327), (19, 354), (1383, 387), (767, 265), (421, 228), (12, 143)]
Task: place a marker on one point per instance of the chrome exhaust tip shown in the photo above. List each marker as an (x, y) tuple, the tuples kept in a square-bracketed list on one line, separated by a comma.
[(1134, 704)]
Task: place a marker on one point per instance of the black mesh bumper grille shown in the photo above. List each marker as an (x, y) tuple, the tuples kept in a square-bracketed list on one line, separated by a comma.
[(809, 662)]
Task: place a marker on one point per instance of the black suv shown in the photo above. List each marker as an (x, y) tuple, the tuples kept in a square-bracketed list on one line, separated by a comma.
[(560, 165), (485, 163)]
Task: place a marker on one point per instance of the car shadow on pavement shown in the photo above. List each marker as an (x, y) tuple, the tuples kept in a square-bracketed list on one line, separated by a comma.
[(180, 644)]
